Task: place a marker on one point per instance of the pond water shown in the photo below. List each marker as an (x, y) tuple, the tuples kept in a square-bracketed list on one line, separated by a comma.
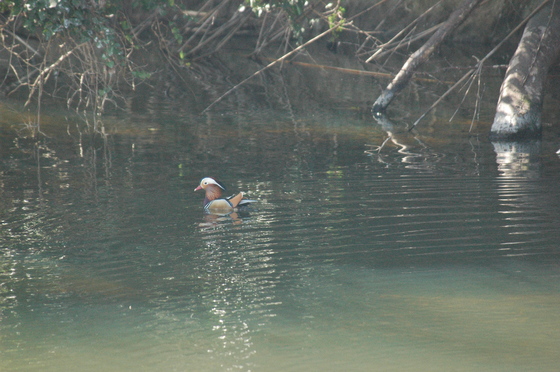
[(371, 247)]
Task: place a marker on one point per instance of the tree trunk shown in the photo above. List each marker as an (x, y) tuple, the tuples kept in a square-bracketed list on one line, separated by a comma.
[(422, 55), (518, 114)]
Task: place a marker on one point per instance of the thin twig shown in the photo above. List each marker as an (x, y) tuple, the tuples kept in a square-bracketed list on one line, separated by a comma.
[(224, 40), (476, 112), (383, 48), (465, 95), (360, 72), (466, 76), (35, 51), (274, 63), (46, 71), (209, 19)]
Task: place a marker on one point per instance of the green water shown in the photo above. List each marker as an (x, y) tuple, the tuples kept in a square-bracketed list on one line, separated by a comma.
[(433, 253)]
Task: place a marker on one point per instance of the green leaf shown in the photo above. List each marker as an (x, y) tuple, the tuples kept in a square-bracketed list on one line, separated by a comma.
[(141, 74)]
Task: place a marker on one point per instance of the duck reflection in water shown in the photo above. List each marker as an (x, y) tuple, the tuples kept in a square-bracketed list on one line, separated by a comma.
[(213, 220)]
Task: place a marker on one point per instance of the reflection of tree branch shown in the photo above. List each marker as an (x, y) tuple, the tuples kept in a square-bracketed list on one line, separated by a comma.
[(399, 138), (378, 148)]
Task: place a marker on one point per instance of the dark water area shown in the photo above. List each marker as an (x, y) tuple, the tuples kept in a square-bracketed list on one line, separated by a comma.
[(371, 247)]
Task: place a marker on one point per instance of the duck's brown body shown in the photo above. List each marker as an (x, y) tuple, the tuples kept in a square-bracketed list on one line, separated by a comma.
[(213, 201)]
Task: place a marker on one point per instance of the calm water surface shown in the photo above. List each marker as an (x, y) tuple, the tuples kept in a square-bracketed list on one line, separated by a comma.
[(431, 253)]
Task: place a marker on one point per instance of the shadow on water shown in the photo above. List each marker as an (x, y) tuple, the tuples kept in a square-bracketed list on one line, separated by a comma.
[(371, 247)]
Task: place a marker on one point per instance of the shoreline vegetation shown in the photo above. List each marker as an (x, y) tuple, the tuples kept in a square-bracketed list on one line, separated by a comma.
[(90, 53)]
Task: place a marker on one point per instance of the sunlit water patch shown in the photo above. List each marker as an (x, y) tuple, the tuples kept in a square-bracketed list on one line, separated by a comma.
[(416, 257)]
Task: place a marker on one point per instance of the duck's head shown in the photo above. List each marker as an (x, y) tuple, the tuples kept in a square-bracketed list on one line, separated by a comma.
[(207, 181)]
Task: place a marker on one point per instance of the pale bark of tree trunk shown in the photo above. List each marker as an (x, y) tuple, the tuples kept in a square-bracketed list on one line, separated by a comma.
[(518, 114)]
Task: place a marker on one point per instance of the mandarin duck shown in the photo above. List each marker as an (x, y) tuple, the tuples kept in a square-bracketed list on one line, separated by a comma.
[(213, 201)]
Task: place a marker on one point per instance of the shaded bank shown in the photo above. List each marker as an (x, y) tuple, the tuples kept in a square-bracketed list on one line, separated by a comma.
[(176, 44)]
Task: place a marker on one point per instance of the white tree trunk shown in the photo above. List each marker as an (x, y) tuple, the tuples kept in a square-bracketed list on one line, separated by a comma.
[(518, 114)]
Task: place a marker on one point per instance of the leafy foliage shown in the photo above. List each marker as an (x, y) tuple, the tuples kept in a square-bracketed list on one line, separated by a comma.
[(294, 9), (335, 17), (97, 34), (89, 42), (302, 14)]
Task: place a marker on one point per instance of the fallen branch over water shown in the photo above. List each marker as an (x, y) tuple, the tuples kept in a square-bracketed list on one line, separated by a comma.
[(360, 72), (472, 73), (422, 55)]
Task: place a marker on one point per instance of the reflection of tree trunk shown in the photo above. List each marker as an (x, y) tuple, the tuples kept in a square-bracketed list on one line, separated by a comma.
[(519, 107), (423, 54), (518, 159)]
